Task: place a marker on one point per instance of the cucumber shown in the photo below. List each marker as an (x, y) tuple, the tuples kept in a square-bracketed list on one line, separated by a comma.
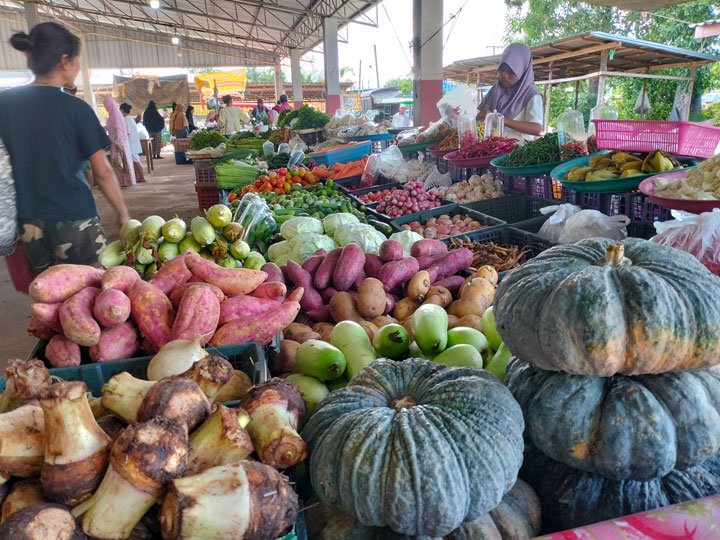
[(321, 360)]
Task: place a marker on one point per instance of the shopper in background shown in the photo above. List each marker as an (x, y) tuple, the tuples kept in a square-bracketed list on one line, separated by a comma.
[(231, 119), (48, 136), (154, 123), (120, 153), (401, 119), (134, 140), (515, 95), (260, 109), (190, 118), (142, 130), (179, 122), (282, 105)]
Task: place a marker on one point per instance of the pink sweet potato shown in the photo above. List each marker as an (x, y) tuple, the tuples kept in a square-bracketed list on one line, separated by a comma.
[(152, 312), (358, 280), (296, 295), (390, 301), (197, 315), (395, 273), (47, 314), (148, 348), (349, 266), (450, 264), (273, 272), (112, 308), (426, 261), (39, 330), (270, 289), (241, 306), (313, 263), (177, 293), (373, 264), (311, 299), (390, 250), (324, 274), (116, 343), (428, 248), (61, 352), (60, 282), (76, 317), (321, 315), (231, 281), (121, 278), (260, 328), (451, 283), (327, 294), (172, 274)]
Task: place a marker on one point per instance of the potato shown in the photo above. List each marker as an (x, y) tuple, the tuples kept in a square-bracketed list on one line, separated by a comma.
[(419, 286), (479, 290), (453, 321), (370, 329), (344, 308), (404, 308), (299, 332), (284, 361), (443, 293), (486, 272), (471, 321), (384, 320), (324, 329), (371, 299), (407, 325), (460, 308)]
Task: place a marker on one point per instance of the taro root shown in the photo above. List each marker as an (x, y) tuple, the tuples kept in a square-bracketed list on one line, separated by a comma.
[(245, 500), (112, 425), (23, 494), (123, 394), (41, 522), (211, 373), (220, 440), (235, 388), (75, 446), (23, 380), (22, 441), (144, 458), (178, 399), (276, 409)]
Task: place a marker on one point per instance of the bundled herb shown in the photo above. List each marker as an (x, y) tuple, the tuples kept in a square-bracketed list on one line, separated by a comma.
[(206, 139), (543, 150)]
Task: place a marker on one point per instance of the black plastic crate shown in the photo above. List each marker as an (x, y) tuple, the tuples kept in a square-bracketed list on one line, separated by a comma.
[(641, 229), (513, 208), (517, 185), (610, 204), (352, 183), (452, 210), (509, 236)]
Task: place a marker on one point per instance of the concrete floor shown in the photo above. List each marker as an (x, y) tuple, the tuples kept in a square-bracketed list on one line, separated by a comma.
[(169, 191)]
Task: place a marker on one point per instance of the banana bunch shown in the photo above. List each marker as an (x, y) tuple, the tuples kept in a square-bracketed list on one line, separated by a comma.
[(622, 165)]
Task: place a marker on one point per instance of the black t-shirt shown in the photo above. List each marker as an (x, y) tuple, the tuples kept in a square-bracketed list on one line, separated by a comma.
[(49, 135)]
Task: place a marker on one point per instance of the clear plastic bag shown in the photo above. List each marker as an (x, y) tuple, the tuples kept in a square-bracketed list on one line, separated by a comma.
[(296, 143), (389, 159), (555, 224), (699, 235), (371, 171), (592, 224), (460, 100), (467, 130)]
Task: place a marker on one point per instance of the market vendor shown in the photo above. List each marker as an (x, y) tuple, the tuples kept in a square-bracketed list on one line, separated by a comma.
[(515, 95)]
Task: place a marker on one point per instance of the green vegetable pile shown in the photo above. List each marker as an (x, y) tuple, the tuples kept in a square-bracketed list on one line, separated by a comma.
[(206, 139), (253, 142), (229, 175), (543, 150), (240, 135), (307, 118)]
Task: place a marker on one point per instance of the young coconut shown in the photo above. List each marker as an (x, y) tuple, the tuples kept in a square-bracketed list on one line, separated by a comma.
[(220, 440), (211, 374), (75, 446), (276, 410), (178, 399), (142, 459), (246, 500), (23, 381), (22, 441), (23, 494), (123, 394), (40, 522)]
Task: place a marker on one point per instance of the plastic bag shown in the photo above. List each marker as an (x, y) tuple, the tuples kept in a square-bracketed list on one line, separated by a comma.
[(460, 100), (296, 143), (255, 217), (699, 235), (555, 224), (371, 171), (591, 224), (389, 159)]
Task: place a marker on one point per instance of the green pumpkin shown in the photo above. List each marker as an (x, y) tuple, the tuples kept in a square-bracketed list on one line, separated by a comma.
[(517, 517), (415, 446), (620, 427), (572, 498), (602, 307)]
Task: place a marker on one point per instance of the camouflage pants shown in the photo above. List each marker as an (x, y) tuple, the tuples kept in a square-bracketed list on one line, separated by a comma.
[(55, 242)]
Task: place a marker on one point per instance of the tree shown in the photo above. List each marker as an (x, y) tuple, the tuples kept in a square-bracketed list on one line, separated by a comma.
[(203, 70), (405, 85), (262, 75)]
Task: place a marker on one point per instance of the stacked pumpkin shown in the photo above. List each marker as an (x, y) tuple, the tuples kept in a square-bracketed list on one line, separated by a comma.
[(616, 345)]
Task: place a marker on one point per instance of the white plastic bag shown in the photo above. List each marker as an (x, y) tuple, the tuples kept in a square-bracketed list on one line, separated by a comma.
[(591, 224), (552, 228), (699, 235), (390, 159), (460, 100)]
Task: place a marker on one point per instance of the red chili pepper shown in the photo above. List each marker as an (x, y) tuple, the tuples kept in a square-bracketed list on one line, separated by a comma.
[(489, 147)]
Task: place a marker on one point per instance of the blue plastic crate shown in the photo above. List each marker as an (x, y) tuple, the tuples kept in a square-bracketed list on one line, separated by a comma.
[(352, 152)]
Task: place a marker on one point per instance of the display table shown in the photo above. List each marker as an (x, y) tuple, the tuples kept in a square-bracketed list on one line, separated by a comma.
[(692, 520)]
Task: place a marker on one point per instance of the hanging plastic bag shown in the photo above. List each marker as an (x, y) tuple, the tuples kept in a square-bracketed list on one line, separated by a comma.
[(554, 225), (699, 235), (592, 224), (460, 100), (642, 103), (389, 159), (296, 143)]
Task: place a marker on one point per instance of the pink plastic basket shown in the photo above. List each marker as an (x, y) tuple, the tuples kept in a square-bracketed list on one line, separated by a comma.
[(678, 138)]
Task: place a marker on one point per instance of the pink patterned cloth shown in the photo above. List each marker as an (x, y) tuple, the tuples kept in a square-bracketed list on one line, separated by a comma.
[(120, 156), (692, 520)]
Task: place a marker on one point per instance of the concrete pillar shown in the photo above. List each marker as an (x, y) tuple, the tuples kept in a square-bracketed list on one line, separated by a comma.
[(427, 59), (332, 67), (31, 14), (88, 95), (278, 82), (296, 75)]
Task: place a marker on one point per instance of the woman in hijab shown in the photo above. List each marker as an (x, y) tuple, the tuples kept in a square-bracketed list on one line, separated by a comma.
[(154, 123), (120, 156), (515, 95), (190, 115)]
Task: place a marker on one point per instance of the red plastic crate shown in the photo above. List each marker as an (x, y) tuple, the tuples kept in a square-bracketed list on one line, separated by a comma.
[(207, 195)]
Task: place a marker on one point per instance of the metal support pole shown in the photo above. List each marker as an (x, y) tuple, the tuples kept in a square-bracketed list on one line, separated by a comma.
[(548, 96), (691, 86), (32, 16), (601, 79), (278, 82), (332, 68), (377, 67), (296, 75), (88, 95)]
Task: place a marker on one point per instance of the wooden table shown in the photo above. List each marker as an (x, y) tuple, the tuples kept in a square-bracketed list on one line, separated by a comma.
[(146, 145)]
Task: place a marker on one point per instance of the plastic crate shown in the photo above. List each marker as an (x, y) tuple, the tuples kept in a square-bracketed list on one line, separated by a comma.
[(678, 138), (207, 194), (640, 229), (509, 236), (204, 171), (512, 209), (452, 210), (378, 142), (311, 136), (182, 144), (352, 152), (352, 183), (610, 204), (541, 186), (355, 194)]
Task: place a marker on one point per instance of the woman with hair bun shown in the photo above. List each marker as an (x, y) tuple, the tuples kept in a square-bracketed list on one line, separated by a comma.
[(49, 135)]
